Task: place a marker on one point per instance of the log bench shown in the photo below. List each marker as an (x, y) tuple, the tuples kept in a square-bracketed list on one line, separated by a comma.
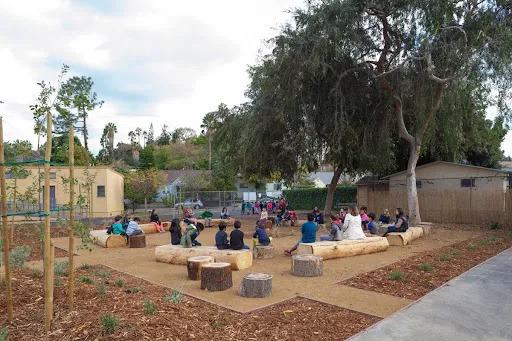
[(177, 254), (215, 222), (344, 248), (404, 238), (103, 239), (150, 228)]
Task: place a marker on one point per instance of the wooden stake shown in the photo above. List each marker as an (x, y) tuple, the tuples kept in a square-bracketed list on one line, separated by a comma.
[(14, 210), (71, 276), (5, 228), (48, 276)]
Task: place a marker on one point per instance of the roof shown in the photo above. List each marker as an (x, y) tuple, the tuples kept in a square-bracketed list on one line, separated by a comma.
[(173, 175), (449, 163), (325, 177), (367, 179)]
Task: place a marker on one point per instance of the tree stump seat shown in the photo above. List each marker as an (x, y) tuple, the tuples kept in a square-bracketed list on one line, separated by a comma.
[(307, 265), (194, 265), (256, 285), (263, 252), (137, 241), (216, 277)]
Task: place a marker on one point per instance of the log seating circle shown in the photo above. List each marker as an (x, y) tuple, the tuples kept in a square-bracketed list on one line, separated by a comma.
[(138, 241), (216, 277), (256, 285), (307, 265), (263, 252), (194, 265)]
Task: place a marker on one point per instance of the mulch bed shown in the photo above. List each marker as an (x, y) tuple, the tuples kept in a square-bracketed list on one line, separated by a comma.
[(192, 319), (29, 235), (412, 276)]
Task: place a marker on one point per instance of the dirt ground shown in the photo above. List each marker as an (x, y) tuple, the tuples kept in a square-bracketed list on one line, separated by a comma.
[(141, 263)]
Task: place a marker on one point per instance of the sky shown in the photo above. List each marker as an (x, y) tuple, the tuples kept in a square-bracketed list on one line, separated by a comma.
[(162, 62)]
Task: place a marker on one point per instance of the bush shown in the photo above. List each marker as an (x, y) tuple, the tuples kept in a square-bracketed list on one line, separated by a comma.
[(425, 267), (306, 198), (174, 296), (120, 283), (36, 273), (19, 255), (61, 268), (86, 280), (135, 290), (3, 334), (443, 257), (397, 276), (57, 282), (471, 247), (454, 252), (495, 225), (102, 273), (84, 266), (109, 324), (149, 308), (102, 289)]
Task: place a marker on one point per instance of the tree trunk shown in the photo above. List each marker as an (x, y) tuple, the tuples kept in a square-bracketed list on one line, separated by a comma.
[(138, 241), (216, 277), (257, 285), (210, 153), (85, 134), (146, 204), (412, 191), (332, 188), (263, 252), (194, 265), (307, 265)]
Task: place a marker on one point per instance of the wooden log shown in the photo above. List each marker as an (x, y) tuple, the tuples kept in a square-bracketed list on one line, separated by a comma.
[(215, 222), (137, 242), (103, 239), (194, 265), (177, 254), (427, 229), (263, 252), (344, 248), (150, 228), (272, 219), (256, 285), (216, 277), (404, 238), (307, 265)]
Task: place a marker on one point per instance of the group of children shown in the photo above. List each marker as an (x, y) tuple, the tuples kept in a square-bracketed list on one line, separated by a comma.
[(236, 237), (125, 227)]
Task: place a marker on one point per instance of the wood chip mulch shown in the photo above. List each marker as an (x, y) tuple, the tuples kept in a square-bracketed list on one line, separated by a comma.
[(413, 277), (192, 319), (29, 235)]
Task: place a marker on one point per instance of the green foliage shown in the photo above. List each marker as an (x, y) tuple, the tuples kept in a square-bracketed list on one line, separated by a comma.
[(471, 247), (61, 268), (147, 158), (84, 266), (425, 267), (217, 324), (495, 225), (454, 252), (120, 283), (443, 257), (18, 256), (143, 184), (60, 151), (181, 155), (57, 282), (3, 333), (397, 276), (484, 243), (86, 280), (101, 273), (149, 308), (174, 296), (102, 289), (169, 200), (135, 290), (36, 273), (82, 230), (109, 324), (306, 199)]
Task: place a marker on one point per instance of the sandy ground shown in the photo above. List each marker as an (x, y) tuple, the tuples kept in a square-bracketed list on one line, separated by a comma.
[(140, 262)]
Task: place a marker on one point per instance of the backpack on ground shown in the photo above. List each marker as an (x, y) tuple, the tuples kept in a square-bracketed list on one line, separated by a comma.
[(110, 229)]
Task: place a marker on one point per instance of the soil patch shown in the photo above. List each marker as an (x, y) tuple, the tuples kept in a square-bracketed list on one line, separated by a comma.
[(125, 298), (29, 235), (414, 277)]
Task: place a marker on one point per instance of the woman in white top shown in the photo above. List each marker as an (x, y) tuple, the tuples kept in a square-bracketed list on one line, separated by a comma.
[(352, 226), (264, 214)]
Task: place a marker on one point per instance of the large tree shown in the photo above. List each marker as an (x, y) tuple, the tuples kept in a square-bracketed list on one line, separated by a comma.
[(209, 125)]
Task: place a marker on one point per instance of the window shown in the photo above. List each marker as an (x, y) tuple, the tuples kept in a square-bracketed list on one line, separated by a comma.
[(244, 185), (467, 183), (8, 175), (418, 184), (53, 175), (101, 191)]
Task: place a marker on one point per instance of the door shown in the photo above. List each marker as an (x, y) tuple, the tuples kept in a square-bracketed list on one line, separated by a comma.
[(53, 200)]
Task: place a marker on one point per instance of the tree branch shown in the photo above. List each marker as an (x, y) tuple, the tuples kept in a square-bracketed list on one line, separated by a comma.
[(435, 107)]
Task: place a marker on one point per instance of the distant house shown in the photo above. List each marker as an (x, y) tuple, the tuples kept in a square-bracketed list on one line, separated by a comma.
[(323, 179), (174, 180)]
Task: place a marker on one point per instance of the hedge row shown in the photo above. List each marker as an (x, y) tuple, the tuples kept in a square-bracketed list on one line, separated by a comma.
[(307, 198)]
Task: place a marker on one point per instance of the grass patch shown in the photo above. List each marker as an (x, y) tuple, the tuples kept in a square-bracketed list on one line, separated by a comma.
[(61, 268), (3, 334), (484, 243), (443, 257), (149, 308), (109, 324), (217, 324), (398, 276), (86, 280), (135, 290), (120, 283), (447, 227), (57, 282), (471, 247), (102, 289), (84, 266), (174, 296), (493, 239), (36, 273), (101, 273), (425, 267), (454, 252)]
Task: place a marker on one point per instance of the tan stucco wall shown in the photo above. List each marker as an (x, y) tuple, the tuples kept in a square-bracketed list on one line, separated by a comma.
[(110, 205), (448, 176)]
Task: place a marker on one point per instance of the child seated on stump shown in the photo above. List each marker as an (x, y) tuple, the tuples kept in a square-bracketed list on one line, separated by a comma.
[(260, 236), (207, 216), (221, 237), (237, 238), (308, 234), (175, 231), (191, 233), (134, 228)]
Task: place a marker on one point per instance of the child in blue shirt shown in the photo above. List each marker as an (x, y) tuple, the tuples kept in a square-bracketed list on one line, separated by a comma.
[(308, 234), (373, 227), (221, 237), (260, 236)]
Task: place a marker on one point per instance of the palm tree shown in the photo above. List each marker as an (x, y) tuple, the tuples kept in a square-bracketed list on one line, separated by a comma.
[(138, 132), (144, 137), (132, 135), (210, 123), (112, 130)]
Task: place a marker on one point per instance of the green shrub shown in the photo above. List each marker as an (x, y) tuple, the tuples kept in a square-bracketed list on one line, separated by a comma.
[(149, 308), (495, 225), (84, 266), (61, 268), (36, 273), (102, 289), (425, 267), (217, 324), (19, 255), (484, 243), (443, 257), (397, 276), (86, 280), (120, 283), (471, 247), (57, 282), (454, 252), (447, 227), (174, 296), (102, 273), (109, 324), (307, 198), (135, 290), (3, 334)]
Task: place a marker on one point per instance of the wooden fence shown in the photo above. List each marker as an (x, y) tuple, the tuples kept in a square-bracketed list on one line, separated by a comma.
[(465, 206)]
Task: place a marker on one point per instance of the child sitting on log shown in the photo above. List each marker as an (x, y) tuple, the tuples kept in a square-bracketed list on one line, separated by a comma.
[(373, 227), (260, 236), (336, 230), (207, 216), (155, 220), (385, 218), (308, 234), (175, 232), (134, 228), (191, 233), (221, 237), (237, 238)]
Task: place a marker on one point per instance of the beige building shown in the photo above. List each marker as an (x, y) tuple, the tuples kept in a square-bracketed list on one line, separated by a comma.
[(105, 191)]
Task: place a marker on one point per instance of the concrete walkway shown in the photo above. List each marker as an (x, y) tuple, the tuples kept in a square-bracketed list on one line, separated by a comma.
[(474, 306)]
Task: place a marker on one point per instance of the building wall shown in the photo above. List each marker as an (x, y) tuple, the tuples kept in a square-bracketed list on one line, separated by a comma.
[(447, 176), (110, 205)]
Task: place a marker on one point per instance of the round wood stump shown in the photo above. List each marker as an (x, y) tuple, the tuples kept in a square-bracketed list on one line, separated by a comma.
[(216, 277), (138, 241), (256, 285), (194, 265), (263, 252), (307, 265)]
